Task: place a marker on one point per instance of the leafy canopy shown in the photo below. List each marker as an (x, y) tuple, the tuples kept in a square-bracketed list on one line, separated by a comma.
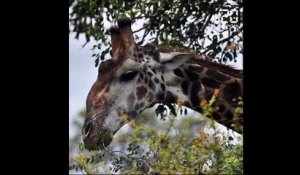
[(210, 27)]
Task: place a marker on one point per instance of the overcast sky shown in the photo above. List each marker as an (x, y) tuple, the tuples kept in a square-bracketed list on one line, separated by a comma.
[(82, 75)]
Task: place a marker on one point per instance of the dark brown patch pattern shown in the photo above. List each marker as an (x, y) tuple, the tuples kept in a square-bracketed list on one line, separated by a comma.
[(229, 115), (141, 75), (184, 87), (231, 91), (132, 114), (150, 97), (149, 74), (146, 80), (216, 116), (178, 72), (194, 94), (163, 88), (221, 108), (209, 82), (193, 76), (171, 98), (151, 85), (140, 92)]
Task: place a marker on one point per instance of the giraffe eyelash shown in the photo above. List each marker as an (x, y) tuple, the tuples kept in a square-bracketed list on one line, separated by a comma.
[(128, 76)]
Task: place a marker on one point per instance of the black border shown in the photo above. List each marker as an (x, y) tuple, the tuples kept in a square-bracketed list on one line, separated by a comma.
[(35, 73), (35, 112), (269, 121)]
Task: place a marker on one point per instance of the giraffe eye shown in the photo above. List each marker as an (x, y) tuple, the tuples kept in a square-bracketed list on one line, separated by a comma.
[(128, 76)]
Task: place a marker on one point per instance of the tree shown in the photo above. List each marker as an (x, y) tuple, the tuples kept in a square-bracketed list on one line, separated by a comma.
[(208, 27)]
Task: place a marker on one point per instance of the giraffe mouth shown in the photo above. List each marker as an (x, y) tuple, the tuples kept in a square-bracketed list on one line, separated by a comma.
[(105, 139), (98, 140)]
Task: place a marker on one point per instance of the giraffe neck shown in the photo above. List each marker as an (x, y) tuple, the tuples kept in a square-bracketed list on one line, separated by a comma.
[(195, 84)]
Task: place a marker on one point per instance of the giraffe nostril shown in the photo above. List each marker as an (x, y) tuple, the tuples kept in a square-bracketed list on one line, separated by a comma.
[(88, 129)]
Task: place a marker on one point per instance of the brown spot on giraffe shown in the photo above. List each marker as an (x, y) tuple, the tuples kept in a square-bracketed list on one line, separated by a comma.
[(194, 94), (151, 85), (162, 78), (150, 96), (146, 80), (210, 82), (185, 87), (178, 72), (193, 76), (142, 104), (141, 75), (140, 92), (216, 116), (170, 97), (221, 108), (163, 87), (228, 115), (231, 91), (140, 55), (132, 114), (136, 106), (149, 74)]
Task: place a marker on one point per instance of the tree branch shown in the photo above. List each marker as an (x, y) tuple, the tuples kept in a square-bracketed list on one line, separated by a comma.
[(206, 22), (144, 36), (224, 40), (145, 26)]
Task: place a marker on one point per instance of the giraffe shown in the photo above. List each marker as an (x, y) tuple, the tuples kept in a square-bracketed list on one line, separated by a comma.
[(137, 77)]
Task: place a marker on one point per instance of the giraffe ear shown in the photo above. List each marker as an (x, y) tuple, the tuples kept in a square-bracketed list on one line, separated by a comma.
[(173, 60)]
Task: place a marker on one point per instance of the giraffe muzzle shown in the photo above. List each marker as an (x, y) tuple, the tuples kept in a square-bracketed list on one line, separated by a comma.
[(94, 138)]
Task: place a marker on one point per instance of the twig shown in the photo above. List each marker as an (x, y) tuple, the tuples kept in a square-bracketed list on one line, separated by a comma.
[(222, 41), (145, 26), (206, 20), (227, 43), (126, 156), (84, 44), (144, 36)]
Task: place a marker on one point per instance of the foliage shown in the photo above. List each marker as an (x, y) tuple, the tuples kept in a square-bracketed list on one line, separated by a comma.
[(171, 148), (238, 111), (208, 27)]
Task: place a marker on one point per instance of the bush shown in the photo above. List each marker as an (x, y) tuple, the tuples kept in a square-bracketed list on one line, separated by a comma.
[(172, 147)]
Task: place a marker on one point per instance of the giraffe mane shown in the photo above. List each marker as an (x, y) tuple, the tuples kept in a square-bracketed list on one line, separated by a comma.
[(221, 67)]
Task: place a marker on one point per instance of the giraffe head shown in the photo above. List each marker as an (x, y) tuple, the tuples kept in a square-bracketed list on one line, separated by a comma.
[(127, 84)]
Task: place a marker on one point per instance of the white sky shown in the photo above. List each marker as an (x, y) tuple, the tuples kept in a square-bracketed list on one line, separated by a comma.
[(82, 75)]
